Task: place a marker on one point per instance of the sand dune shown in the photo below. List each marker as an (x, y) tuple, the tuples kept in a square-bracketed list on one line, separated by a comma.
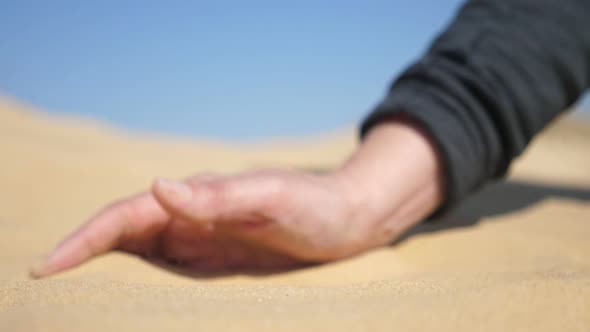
[(515, 257)]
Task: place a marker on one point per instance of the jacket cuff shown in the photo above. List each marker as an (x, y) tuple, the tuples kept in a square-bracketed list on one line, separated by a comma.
[(461, 168)]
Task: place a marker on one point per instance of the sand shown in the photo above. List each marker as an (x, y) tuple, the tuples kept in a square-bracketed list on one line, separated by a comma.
[(516, 257)]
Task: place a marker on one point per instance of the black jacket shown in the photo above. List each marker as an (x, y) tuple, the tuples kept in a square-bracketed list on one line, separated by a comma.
[(500, 72)]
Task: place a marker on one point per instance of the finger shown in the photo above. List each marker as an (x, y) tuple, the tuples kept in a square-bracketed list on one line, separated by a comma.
[(230, 200), (123, 221)]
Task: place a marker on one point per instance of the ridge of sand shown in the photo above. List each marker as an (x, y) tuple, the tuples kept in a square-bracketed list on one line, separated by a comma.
[(515, 257)]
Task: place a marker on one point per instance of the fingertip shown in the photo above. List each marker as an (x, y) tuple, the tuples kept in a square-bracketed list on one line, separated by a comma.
[(38, 269), (172, 191)]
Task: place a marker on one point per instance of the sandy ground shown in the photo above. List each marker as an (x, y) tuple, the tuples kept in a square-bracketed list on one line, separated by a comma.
[(515, 257)]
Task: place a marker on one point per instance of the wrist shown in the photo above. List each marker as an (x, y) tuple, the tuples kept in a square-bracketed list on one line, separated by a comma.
[(397, 162)]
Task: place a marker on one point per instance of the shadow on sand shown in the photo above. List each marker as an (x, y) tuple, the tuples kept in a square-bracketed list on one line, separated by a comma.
[(498, 199)]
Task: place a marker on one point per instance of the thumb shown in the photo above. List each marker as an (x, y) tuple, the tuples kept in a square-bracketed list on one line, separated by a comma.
[(229, 200)]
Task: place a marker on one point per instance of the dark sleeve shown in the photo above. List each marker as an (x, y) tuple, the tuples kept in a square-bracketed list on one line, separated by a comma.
[(500, 72)]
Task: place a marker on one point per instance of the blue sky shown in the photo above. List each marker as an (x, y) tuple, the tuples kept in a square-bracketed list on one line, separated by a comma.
[(225, 69)]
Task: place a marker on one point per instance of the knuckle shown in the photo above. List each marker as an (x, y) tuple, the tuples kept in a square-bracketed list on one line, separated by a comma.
[(124, 214), (216, 191), (125, 210), (277, 185), (202, 178), (91, 243)]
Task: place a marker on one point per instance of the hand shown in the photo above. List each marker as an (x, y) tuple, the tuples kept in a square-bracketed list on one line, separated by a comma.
[(269, 218)]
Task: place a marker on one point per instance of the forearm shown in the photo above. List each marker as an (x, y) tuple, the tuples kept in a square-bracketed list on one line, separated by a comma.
[(500, 72)]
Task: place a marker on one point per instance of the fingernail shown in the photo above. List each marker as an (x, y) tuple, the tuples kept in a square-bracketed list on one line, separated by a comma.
[(37, 269), (176, 191)]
